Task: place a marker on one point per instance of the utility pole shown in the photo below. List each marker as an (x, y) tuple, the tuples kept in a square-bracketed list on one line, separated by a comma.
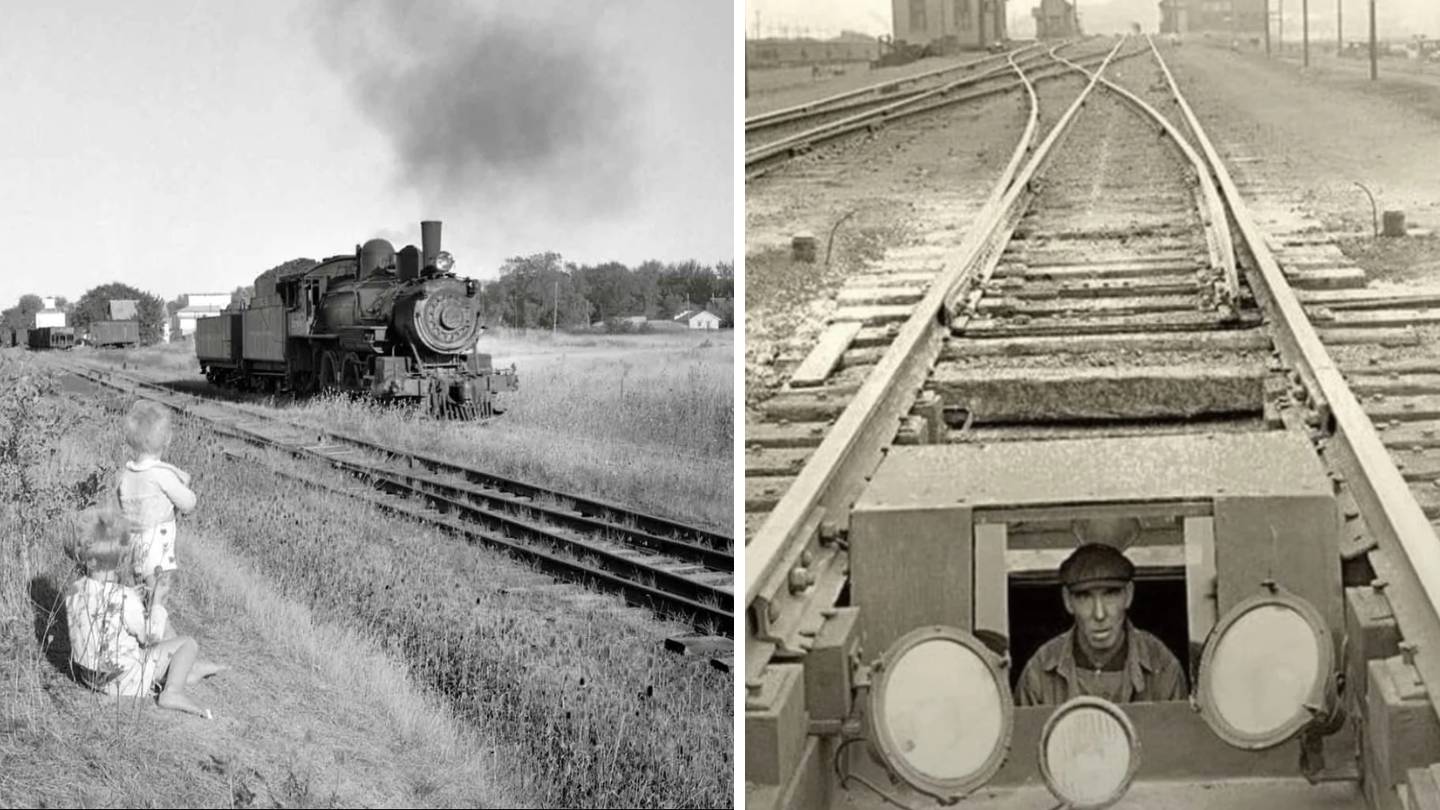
[(555, 313), (1267, 28), (1374, 70), (1305, 33), (1282, 28), (1339, 29)]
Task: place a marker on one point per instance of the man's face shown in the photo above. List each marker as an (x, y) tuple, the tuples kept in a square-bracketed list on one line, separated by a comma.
[(1099, 612)]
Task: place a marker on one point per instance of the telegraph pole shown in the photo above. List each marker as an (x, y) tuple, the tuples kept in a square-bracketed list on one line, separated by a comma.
[(555, 313), (1374, 70), (1339, 30), (1305, 33), (1267, 28)]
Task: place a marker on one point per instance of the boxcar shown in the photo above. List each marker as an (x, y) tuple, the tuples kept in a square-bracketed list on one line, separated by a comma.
[(52, 337), (115, 333)]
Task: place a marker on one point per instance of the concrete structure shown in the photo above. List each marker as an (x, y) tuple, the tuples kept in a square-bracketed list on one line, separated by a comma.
[(699, 319), (202, 305), (949, 24)]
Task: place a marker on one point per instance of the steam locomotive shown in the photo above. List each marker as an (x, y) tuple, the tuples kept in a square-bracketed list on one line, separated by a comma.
[(397, 326)]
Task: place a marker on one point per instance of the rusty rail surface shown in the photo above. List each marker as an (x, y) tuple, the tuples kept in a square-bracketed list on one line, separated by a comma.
[(1409, 551), (801, 531)]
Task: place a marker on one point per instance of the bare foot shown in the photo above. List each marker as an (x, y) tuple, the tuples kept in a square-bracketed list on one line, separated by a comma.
[(179, 702), (202, 670)]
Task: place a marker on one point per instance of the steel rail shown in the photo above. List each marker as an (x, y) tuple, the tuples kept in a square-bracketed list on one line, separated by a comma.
[(649, 528), (1217, 225), (803, 525), (765, 119), (706, 603), (1409, 550), (890, 112)]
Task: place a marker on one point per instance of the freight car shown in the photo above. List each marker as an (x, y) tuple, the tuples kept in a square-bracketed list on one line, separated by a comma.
[(52, 337), (117, 334), (393, 325)]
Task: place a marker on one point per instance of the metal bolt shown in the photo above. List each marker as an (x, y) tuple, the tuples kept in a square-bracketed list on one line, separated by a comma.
[(1407, 652), (800, 579), (807, 557)]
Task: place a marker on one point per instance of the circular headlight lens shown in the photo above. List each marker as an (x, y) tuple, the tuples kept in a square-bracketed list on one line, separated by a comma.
[(1088, 753), (444, 261)]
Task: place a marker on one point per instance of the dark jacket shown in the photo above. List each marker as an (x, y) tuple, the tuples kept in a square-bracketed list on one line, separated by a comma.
[(1151, 673)]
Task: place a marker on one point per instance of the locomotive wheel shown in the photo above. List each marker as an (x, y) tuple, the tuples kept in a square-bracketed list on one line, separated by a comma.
[(329, 373)]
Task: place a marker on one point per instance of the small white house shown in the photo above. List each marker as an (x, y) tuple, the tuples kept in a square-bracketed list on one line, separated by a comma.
[(202, 305), (50, 315), (699, 319)]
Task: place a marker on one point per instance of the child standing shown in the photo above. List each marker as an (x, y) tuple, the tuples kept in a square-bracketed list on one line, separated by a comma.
[(151, 491), (109, 646)]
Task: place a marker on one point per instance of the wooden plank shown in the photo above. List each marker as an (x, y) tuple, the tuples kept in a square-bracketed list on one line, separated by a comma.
[(1330, 278), (879, 296), (1401, 336), (1164, 285), (1371, 299), (872, 315), (1368, 385), (1236, 340), (784, 434), (1103, 393), (896, 278), (1110, 270), (762, 493), (824, 356), (1369, 319), (773, 461), (1092, 307), (1403, 409), (810, 405), (1165, 322), (1407, 365)]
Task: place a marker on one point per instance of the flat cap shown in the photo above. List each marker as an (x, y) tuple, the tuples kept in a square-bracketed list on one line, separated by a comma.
[(1096, 563)]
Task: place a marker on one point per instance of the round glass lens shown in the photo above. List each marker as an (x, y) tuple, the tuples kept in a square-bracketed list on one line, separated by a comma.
[(1264, 669), (1088, 757), (942, 710)]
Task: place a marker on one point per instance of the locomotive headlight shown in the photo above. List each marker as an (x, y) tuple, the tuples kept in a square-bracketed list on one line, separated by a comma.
[(444, 261)]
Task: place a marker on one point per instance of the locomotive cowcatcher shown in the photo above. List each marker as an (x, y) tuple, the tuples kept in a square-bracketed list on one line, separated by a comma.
[(395, 325)]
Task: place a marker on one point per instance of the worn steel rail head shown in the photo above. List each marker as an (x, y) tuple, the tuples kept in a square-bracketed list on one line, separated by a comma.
[(797, 543), (1409, 558)]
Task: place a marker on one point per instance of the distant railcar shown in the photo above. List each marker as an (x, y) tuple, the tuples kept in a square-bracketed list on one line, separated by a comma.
[(52, 337), (115, 334)]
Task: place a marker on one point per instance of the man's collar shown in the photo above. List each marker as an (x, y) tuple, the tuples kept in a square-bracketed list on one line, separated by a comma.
[(1065, 664)]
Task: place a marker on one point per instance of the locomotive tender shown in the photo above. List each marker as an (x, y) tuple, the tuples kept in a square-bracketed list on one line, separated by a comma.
[(398, 326)]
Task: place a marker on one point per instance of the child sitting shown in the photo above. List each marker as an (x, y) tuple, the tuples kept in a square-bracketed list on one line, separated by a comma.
[(109, 646), (150, 493)]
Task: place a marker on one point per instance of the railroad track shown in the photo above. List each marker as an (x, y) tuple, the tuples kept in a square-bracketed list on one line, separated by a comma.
[(681, 572), (1114, 285)]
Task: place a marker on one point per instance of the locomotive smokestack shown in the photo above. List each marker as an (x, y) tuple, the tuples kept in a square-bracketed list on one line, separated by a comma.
[(429, 242)]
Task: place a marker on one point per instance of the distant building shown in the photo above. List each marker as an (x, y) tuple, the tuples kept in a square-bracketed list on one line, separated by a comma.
[(201, 305), (698, 319), (123, 309), (1055, 19), (49, 315), (961, 25), (773, 52), (1234, 17)]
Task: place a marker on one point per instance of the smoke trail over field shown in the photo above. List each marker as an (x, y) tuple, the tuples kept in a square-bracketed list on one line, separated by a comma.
[(504, 105)]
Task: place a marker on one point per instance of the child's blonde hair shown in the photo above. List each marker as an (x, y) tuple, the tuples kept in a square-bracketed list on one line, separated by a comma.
[(147, 428), (100, 541)]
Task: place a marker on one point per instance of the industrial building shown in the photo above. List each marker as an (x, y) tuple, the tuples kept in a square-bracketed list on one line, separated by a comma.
[(949, 25), (201, 305), (1235, 17), (1055, 19)]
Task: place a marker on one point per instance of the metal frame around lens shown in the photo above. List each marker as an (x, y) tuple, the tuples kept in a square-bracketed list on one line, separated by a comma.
[(1086, 702), (882, 744), (1302, 716)]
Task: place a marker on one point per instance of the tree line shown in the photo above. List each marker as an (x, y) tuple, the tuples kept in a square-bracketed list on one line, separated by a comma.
[(532, 292)]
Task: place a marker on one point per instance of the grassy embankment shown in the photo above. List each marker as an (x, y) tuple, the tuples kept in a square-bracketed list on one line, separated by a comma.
[(358, 641), (646, 421)]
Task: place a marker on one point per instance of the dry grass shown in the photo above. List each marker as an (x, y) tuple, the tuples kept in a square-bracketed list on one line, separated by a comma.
[(643, 420), (312, 715), (528, 689)]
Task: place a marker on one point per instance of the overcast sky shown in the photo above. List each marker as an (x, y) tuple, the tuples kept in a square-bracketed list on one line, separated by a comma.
[(186, 147), (826, 18)]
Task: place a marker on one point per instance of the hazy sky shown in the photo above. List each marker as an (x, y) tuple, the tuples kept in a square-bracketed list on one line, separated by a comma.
[(186, 147), (826, 18)]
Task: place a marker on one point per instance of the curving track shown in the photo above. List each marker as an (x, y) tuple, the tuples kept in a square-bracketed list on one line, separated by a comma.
[(679, 571), (1113, 284)]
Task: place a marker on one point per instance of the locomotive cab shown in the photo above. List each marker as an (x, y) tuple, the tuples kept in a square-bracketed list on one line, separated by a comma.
[(953, 551)]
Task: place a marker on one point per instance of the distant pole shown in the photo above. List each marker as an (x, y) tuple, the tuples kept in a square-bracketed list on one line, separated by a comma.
[(1267, 29), (1374, 69), (1339, 28), (1282, 27), (1305, 33), (555, 313)]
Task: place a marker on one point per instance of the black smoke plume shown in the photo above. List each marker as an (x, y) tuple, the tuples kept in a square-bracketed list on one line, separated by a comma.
[(498, 104)]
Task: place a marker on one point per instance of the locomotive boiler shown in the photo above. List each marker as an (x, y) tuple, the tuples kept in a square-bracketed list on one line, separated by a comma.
[(393, 325)]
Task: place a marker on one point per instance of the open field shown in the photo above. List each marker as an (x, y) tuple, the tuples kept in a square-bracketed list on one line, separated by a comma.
[(375, 662), (643, 420)]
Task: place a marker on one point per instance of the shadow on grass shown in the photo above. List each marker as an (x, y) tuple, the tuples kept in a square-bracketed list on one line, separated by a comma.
[(52, 631)]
